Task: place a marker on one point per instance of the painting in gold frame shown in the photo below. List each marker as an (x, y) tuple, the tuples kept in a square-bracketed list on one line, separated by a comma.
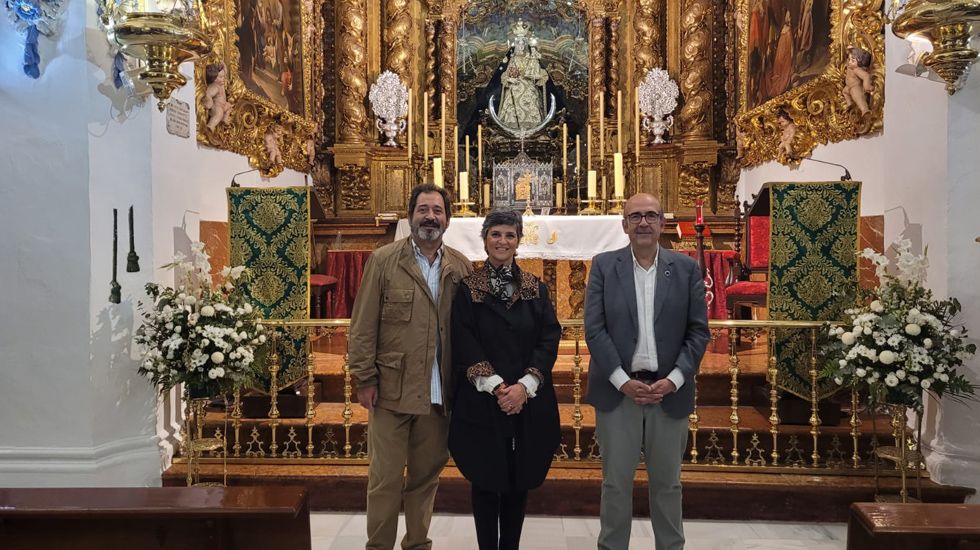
[(798, 84), (268, 56)]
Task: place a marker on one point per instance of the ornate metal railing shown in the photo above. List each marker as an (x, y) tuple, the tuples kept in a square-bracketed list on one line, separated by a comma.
[(336, 431)]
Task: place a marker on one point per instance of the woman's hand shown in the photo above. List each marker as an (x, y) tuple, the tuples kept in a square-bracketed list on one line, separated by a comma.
[(511, 399)]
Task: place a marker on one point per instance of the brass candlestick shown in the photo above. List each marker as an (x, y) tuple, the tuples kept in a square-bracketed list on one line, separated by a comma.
[(616, 205), (463, 209), (593, 207)]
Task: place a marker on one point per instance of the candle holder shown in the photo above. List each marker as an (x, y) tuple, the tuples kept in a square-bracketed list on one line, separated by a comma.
[(616, 205), (463, 209), (593, 207)]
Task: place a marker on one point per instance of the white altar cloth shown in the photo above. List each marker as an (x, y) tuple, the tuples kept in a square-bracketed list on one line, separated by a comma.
[(547, 237)]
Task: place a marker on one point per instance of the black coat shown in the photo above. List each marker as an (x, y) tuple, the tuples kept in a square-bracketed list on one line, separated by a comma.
[(512, 338)]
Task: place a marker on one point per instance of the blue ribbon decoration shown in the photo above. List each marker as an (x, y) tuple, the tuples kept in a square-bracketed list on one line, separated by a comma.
[(31, 56)]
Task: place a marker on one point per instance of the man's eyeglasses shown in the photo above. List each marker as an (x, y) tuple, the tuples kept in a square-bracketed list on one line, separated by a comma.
[(651, 217)]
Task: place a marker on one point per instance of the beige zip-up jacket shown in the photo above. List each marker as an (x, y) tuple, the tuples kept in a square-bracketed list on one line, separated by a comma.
[(393, 327)]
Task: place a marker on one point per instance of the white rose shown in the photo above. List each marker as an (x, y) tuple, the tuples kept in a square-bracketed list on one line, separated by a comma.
[(262, 338), (840, 330), (867, 331), (190, 300), (858, 330), (927, 343), (212, 374), (242, 335), (217, 358), (913, 329), (860, 373), (238, 324), (259, 327), (207, 311), (891, 381), (943, 377), (914, 379), (220, 371), (178, 328), (900, 374), (877, 307), (839, 380), (248, 308), (914, 312), (955, 333), (887, 357), (842, 363), (925, 384), (847, 338)]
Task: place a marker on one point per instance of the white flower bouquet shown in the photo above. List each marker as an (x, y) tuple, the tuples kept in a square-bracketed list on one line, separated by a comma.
[(903, 342), (205, 337)]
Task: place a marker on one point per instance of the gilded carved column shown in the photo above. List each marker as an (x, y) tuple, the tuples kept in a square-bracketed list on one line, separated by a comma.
[(447, 85), (597, 63), (613, 61), (695, 69), (430, 65), (398, 40), (447, 67), (647, 28), (351, 71)]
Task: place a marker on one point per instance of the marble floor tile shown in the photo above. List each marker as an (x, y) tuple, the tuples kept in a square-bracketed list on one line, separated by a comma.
[(346, 531)]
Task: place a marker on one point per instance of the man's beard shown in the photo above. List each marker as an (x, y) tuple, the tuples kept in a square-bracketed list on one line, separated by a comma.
[(424, 232)]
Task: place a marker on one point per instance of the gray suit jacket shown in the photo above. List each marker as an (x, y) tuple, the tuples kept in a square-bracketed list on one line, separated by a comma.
[(611, 325)]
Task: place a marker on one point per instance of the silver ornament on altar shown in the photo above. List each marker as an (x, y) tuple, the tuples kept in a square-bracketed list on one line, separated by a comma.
[(658, 99), (389, 101)]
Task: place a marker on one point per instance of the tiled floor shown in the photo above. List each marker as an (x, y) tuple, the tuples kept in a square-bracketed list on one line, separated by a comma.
[(454, 532)]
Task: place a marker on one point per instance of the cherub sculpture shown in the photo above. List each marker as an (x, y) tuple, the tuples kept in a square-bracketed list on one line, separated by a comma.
[(788, 128), (215, 99), (271, 139), (857, 79)]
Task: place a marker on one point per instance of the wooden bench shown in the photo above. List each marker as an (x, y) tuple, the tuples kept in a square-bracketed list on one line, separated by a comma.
[(185, 518), (918, 526)]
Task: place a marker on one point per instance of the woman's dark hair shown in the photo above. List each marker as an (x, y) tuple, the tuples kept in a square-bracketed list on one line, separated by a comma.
[(502, 217), (413, 199)]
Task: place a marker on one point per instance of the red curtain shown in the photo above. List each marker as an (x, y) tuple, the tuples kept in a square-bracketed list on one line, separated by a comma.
[(718, 265), (347, 266)]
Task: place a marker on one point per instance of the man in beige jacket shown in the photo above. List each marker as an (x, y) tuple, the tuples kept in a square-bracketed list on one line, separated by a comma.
[(400, 360)]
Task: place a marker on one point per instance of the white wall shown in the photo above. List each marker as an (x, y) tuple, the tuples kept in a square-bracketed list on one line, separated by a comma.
[(74, 410), (955, 448)]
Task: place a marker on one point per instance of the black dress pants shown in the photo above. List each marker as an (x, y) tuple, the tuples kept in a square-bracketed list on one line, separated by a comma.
[(492, 509)]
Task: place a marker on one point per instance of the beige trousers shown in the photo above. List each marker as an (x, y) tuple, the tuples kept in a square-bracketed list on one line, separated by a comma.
[(406, 454)]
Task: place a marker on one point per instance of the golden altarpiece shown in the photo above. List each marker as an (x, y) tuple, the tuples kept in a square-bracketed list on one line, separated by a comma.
[(595, 53), (299, 76)]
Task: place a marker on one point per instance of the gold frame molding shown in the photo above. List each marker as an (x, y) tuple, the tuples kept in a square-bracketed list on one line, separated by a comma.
[(816, 107), (252, 116)]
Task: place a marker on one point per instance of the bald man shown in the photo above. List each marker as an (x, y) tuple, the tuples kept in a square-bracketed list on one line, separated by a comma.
[(646, 325)]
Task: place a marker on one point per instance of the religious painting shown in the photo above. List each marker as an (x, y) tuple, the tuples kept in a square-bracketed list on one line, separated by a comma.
[(270, 45), (259, 93), (788, 45), (810, 72)]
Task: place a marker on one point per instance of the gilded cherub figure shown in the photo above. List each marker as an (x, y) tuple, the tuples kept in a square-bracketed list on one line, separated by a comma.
[(788, 128), (857, 79), (272, 136), (215, 98)]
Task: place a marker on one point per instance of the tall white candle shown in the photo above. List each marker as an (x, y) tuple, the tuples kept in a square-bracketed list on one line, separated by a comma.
[(591, 184), (437, 171), (464, 186), (619, 183)]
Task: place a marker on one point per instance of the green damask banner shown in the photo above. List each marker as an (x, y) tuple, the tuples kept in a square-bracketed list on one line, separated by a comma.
[(813, 268), (270, 234)]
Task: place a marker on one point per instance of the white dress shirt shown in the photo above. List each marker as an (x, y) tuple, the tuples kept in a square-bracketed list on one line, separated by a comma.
[(645, 356)]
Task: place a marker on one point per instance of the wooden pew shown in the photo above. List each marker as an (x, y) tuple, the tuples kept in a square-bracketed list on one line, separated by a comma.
[(918, 526), (185, 518)]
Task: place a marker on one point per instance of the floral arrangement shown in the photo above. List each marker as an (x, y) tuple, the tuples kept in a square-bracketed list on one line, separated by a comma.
[(203, 336), (903, 342)]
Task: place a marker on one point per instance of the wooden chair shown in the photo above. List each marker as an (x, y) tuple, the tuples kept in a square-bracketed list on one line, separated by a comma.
[(749, 285)]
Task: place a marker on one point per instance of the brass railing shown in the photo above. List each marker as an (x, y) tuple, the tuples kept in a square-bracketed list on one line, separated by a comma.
[(322, 444)]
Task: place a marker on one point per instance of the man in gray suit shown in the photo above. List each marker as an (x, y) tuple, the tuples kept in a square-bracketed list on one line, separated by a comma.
[(646, 325)]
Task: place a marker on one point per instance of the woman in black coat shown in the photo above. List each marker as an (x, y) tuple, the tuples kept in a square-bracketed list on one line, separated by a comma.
[(504, 428)]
